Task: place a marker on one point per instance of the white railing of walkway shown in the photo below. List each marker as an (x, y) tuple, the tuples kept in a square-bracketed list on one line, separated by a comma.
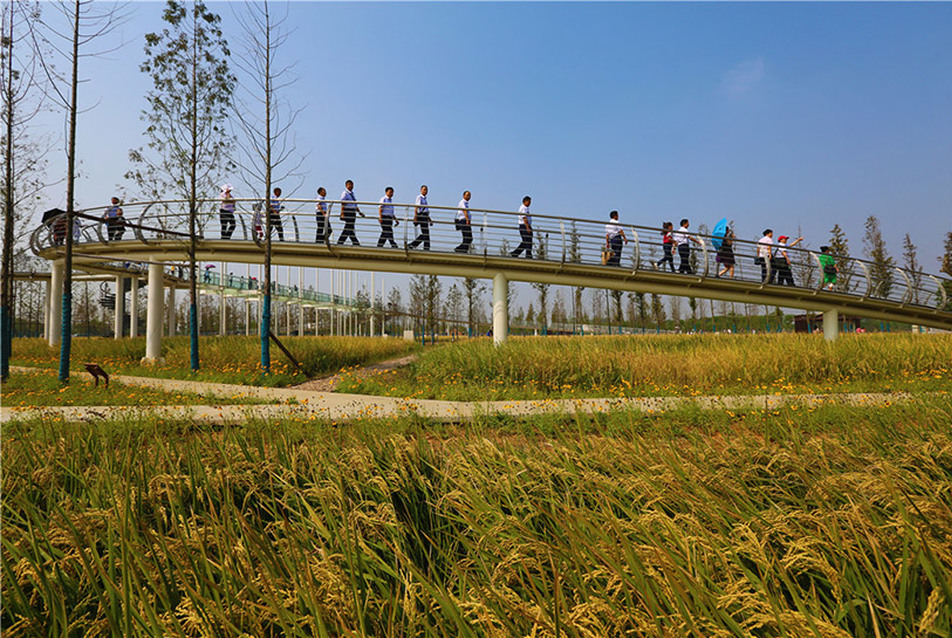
[(496, 233)]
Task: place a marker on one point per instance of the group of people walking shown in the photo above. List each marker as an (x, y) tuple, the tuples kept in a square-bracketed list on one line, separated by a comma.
[(773, 258)]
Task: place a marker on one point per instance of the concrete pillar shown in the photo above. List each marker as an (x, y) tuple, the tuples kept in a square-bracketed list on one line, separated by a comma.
[(134, 309), (120, 307), (247, 317), (56, 302), (372, 305), (831, 325), (46, 310), (170, 307), (500, 309), (221, 313), (154, 315)]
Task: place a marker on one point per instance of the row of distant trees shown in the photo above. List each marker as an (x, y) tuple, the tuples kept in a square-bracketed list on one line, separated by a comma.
[(194, 110)]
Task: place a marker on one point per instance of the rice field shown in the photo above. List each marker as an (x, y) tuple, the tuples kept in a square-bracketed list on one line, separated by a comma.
[(664, 365), (825, 521), (233, 359)]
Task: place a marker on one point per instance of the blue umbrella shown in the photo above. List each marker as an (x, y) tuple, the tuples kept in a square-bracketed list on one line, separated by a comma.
[(720, 229)]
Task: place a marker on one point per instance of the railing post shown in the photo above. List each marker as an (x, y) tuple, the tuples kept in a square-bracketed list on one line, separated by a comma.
[(869, 282), (500, 309), (906, 298), (943, 297), (819, 268)]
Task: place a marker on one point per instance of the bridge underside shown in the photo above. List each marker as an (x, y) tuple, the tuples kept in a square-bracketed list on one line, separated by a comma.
[(504, 269)]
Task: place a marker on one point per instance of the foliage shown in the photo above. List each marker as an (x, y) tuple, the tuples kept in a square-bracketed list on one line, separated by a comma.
[(228, 359), (881, 271), (839, 246), (653, 365), (828, 521)]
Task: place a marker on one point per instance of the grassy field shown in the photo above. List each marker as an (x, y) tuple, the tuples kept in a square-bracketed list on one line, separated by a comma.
[(223, 359), (829, 521), (530, 368), (42, 388)]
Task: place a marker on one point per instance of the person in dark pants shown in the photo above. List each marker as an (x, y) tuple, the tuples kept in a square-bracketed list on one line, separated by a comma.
[(525, 229), (276, 208), (464, 224), (226, 212), (781, 261), (683, 241), (421, 219), (322, 217), (348, 213), (614, 236), (115, 222), (667, 244), (764, 256), (387, 219)]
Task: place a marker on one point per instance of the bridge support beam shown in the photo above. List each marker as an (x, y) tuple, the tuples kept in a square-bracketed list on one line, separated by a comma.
[(134, 308), (56, 302), (831, 324), (500, 309), (120, 307), (46, 311), (154, 315), (170, 309)]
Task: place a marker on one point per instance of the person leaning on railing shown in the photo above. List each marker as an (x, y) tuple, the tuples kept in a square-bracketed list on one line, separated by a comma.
[(115, 222)]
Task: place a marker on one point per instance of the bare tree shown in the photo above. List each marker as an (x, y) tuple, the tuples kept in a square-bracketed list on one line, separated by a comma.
[(188, 106), (24, 156), (945, 262), (72, 44), (265, 121), (473, 289)]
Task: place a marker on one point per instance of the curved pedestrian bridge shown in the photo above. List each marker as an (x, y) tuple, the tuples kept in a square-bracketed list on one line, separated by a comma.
[(566, 251)]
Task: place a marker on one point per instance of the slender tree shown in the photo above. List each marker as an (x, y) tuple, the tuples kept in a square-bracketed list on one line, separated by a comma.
[(543, 289), (881, 272), (473, 289), (945, 267), (910, 259), (189, 103), (86, 27), (839, 246), (266, 123), (24, 156)]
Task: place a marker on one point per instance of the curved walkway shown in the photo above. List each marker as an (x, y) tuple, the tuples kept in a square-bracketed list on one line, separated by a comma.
[(310, 405)]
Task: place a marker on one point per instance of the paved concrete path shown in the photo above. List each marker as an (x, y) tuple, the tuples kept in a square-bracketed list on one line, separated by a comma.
[(305, 404)]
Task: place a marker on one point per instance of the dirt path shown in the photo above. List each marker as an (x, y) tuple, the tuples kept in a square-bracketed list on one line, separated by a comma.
[(329, 384)]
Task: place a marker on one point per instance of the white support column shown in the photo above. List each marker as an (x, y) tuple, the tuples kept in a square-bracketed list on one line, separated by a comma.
[(300, 301), (247, 317), (56, 302), (170, 320), (46, 310), (372, 305), (221, 299), (831, 325), (120, 307), (134, 309), (154, 316), (500, 309)]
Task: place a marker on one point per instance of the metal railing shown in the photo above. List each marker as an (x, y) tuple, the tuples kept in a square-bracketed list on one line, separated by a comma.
[(496, 233)]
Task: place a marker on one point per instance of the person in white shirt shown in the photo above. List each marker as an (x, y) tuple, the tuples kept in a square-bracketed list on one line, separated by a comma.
[(614, 236), (387, 219), (764, 255), (322, 215), (421, 219), (525, 230), (682, 239), (463, 223), (277, 205), (781, 262), (348, 212)]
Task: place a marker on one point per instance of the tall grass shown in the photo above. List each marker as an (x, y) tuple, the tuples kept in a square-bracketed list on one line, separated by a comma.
[(799, 522), (223, 359), (690, 364)]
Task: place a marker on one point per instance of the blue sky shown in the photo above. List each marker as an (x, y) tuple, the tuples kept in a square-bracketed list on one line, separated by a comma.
[(769, 114)]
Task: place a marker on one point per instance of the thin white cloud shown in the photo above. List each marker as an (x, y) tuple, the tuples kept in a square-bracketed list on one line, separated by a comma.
[(739, 80)]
